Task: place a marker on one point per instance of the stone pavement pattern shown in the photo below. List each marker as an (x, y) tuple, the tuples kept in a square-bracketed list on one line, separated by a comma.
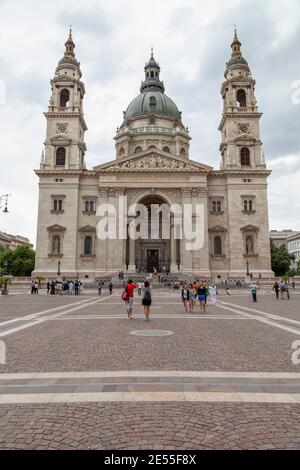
[(122, 409)]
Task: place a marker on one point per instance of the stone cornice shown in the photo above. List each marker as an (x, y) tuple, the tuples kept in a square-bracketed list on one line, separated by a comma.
[(239, 115), (242, 173), (153, 161), (62, 172), (66, 115)]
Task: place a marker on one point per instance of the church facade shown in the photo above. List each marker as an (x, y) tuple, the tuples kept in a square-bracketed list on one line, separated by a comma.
[(152, 166)]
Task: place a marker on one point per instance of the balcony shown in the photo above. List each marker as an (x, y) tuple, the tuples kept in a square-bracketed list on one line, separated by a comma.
[(153, 130)]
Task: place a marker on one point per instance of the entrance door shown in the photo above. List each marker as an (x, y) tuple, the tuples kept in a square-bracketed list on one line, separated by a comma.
[(152, 260)]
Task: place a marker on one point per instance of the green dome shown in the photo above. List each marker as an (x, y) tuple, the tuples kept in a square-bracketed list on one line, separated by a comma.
[(152, 102)]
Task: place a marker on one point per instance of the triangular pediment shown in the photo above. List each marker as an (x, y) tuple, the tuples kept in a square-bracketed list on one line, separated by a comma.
[(249, 228), (87, 228), (218, 229), (56, 228), (152, 161)]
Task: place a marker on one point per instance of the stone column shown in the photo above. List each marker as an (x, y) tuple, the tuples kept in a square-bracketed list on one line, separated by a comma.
[(174, 266), (120, 244), (131, 267), (201, 258), (186, 255), (101, 245)]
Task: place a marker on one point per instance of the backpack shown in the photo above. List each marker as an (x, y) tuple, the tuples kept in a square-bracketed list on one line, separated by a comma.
[(125, 295)]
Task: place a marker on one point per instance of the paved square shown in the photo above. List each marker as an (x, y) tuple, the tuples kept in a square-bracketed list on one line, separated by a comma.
[(77, 378)]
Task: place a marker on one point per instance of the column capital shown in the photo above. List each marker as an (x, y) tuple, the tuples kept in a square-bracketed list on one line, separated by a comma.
[(186, 192)]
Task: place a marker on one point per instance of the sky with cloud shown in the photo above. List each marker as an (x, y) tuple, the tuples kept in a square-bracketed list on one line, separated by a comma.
[(191, 40)]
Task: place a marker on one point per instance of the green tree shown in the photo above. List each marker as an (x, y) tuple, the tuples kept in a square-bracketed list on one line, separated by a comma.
[(281, 259), (19, 262)]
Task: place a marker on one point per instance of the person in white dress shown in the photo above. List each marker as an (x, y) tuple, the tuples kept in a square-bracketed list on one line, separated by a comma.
[(213, 294)]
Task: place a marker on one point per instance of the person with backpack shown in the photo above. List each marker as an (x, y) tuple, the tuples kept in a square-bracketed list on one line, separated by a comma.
[(253, 288), (146, 299), (127, 296)]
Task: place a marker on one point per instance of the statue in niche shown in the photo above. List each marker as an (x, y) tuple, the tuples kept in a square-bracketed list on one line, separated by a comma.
[(249, 246), (56, 245)]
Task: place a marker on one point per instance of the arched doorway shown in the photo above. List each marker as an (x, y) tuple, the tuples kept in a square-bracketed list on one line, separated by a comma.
[(152, 250)]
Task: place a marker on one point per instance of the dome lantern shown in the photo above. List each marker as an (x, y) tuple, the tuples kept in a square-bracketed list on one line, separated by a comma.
[(152, 81)]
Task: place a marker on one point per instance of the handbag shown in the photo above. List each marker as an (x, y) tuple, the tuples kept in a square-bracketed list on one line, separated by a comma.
[(125, 295)]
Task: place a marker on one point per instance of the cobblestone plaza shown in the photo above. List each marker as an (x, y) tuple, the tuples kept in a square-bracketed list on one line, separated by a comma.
[(77, 378)]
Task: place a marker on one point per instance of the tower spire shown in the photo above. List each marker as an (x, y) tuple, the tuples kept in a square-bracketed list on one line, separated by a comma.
[(236, 45), (70, 45)]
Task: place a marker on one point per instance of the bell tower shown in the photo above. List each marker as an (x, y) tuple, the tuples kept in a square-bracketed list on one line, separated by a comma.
[(241, 143), (64, 146)]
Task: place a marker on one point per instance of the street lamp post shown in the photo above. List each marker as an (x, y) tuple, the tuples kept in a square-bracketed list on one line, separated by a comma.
[(4, 200), (248, 272)]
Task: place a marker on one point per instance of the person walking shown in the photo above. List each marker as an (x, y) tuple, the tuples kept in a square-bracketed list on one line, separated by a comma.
[(253, 288), (32, 287), (201, 293), (293, 285), (146, 299), (213, 294), (71, 287), (36, 287), (48, 287), (99, 287), (130, 294), (139, 288), (110, 287), (185, 295), (276, 289), (52, 291), (76, 287), (281, 287), (192, 297)]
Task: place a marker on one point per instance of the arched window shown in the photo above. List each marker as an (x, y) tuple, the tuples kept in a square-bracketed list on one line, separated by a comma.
[(166, 149), (92, 206), (138, 150), (250, 205), (241, 98), (64, 98), (245, 156), (217, 245), (88, 245), (156, 74), (152, 147), (152, 74), (61, 156), (182, 152), (122, 152), (152, 101)]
